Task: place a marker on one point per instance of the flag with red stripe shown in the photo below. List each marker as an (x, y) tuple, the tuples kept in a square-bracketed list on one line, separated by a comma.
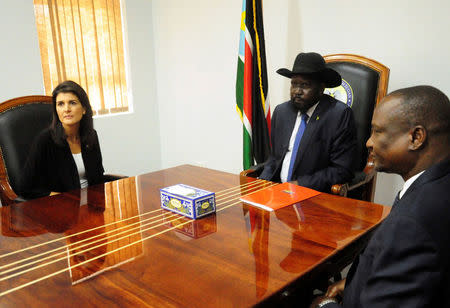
[(251, 85)]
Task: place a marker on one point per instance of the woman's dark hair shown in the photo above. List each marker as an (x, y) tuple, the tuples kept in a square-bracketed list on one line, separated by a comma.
[(87, 133)]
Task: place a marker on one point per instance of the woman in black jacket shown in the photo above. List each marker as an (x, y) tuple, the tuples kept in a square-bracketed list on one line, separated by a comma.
[(66, 155)]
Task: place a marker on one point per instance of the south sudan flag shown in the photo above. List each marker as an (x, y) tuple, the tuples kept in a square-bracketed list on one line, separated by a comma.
[(251, 85)]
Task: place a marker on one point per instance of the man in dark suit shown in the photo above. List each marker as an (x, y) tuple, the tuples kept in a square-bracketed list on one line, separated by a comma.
[(313, 135), (407, 261)]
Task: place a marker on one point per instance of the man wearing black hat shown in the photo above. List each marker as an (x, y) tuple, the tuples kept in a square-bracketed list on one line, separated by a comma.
[(313, 135)]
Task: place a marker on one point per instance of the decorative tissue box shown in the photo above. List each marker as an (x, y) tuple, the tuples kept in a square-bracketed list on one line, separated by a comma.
[(188, 201)]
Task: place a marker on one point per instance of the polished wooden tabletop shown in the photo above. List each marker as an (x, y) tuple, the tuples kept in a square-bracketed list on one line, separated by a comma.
[(112, 245)]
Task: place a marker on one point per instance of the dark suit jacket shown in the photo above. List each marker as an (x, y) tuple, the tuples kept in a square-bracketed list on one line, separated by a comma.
[(407, 261), (327, 149), (51, 167)]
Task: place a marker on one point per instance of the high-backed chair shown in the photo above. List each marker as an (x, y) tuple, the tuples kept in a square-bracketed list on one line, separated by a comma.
[(21, 120), (364, 84)]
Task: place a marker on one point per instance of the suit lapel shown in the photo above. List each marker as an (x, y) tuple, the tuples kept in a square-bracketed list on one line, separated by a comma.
[(434, 172), (310, 131)]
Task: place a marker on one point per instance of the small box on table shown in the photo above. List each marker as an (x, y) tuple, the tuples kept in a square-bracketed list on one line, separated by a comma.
[(188, 201)]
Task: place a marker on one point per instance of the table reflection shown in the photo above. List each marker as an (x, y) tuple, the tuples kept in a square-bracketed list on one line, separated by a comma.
[(192, 228), (314, 227), (103, 233), (113, 234), (257, 223)]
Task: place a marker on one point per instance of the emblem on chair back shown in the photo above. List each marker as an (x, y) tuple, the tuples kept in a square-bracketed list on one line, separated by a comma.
[(343, 93), (21, 120)]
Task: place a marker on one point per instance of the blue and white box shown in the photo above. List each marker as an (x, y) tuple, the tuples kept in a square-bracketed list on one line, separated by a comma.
[(188, 201)]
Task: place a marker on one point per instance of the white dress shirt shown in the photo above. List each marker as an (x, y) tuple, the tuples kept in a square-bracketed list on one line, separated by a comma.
[(78, 158), (80, 168), (408, 183)]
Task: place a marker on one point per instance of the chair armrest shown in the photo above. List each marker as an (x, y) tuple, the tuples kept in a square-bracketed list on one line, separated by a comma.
[(253, 171), (113, 177), (7, 194), (366, 176), (369, 169), (359, 179), (340, 189)]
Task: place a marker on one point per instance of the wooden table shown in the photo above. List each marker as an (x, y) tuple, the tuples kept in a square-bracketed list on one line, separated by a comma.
[(119, 249)]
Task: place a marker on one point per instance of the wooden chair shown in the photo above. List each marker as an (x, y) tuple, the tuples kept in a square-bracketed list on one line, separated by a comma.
[(364, 84)]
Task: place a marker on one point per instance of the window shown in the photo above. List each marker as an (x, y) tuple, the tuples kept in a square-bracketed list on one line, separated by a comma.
[(82, 40)]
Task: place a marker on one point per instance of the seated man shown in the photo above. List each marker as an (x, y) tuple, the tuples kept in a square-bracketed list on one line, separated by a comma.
[(313, 135), (407, 261)]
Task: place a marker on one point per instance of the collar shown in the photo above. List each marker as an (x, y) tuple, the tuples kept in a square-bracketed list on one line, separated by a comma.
[(311, 110), (408, 183)]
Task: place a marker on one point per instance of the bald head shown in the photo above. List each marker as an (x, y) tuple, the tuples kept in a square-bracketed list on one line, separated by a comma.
[(426, 106), (410, 131)]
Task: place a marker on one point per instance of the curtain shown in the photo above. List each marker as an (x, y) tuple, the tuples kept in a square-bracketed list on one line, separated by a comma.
[(82, 40)]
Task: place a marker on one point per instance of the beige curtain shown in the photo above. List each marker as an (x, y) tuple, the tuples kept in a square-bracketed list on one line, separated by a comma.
[(82, 40)]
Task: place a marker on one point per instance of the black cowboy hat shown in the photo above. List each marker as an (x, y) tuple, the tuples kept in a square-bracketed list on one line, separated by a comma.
[(312, 63)]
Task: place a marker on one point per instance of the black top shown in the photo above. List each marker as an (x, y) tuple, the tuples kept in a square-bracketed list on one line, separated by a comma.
[(51, 167)]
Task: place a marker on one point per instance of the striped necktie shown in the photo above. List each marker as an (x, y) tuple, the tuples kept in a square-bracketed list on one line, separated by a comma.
[(298, 138)]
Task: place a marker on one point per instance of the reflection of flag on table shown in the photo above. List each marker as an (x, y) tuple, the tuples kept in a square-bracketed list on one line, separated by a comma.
[(251, 85), (257, 223)]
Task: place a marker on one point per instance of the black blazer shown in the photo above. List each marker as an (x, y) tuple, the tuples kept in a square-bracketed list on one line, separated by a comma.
[(407, 261), (327, 150), (51, 167)]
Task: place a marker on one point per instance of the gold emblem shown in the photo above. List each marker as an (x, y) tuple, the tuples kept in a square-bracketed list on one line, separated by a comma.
[(205, 205), (288, 191), (343, 93)]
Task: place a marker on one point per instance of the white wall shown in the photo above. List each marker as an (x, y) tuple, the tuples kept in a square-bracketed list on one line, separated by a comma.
[(130, 143), (20, 60), (196, 50)]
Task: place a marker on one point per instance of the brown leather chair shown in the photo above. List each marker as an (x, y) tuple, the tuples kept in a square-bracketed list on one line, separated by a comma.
[(364, 84), (21, 120)]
